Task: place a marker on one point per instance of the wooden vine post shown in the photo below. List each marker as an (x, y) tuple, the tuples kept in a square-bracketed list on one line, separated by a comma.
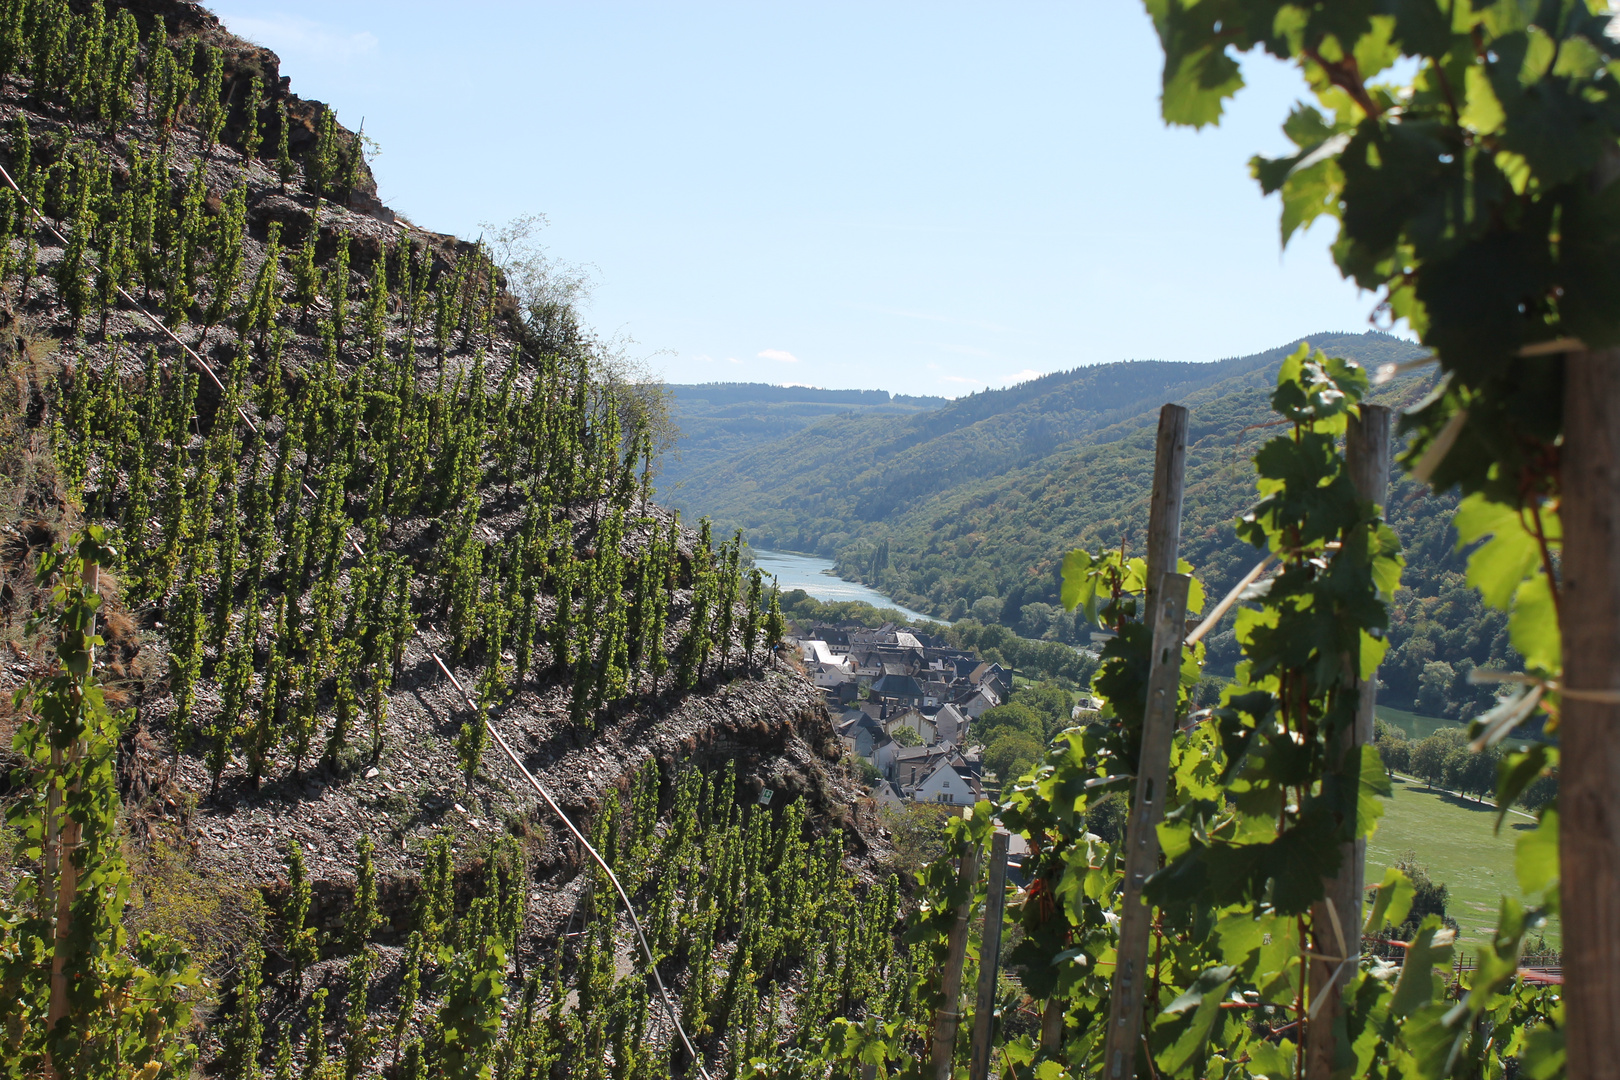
[(949, 1015), (1164, 504), (1589, 727), (1167, 614), (984, 1007), (1337, 918), (63, 834)]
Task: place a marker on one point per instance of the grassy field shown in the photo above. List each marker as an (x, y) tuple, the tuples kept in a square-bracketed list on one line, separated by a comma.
[(1415, 726), (1452, 837)]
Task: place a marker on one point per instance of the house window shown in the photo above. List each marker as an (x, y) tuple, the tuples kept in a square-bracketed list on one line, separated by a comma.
[(945, 796)]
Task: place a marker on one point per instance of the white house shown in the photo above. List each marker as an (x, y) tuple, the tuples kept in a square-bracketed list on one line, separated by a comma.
[(912, 763), (832, 678), (818, 652), (946, 785)]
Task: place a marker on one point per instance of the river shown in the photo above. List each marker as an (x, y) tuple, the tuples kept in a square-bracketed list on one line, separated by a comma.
[(815, 576)]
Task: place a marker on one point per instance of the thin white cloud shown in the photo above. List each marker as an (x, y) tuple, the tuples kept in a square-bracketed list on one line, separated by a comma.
[(780, 355), (292, 34), (703, 358), (1023, 376), (961, 379)]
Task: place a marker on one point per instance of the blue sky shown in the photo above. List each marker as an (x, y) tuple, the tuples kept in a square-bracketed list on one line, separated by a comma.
[(923, 198)]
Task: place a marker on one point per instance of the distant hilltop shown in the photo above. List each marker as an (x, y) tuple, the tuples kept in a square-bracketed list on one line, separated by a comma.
[(717, 394)]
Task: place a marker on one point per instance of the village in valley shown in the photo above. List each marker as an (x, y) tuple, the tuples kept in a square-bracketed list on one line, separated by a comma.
[(905, 706)]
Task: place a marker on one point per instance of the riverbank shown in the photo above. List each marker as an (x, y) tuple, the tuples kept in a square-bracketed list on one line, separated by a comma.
[(816, 577)]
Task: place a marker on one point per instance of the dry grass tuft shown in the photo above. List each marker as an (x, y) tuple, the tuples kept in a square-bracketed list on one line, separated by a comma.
[(213, 917)]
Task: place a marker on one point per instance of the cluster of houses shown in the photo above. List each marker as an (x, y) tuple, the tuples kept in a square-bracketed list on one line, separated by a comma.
[(907, 708)]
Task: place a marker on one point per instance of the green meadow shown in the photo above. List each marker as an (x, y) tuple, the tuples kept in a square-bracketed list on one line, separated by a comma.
[(1455, 839), (1415, 725)]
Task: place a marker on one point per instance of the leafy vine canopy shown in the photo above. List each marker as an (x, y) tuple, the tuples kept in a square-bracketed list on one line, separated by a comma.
[(1456, 143)]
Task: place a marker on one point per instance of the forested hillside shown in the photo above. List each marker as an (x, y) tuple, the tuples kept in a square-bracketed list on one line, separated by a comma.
[(989, 547), (287, 453), (847, 478), (718, 421)]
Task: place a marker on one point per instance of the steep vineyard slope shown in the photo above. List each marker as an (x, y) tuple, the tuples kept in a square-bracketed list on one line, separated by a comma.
[(334, 449)]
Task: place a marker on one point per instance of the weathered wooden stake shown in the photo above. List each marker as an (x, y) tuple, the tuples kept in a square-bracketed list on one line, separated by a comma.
[(66, 832), (1141, 832), (1052, 1025), (948, 1015), (995, 900), (1337, 918), (1164, 504), (1153, 758), (1589, 766)]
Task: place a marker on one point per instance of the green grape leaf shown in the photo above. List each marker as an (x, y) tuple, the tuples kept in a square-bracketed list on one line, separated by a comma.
[(1538, 57), (1265, 948), (1272, 1060), (1193, 765), (1183, 1040), (1019, 1051), (1175, 837), (1578, 58), (1372, 654), (1192, 668), (1240, 935), (1209, 982), (1249, 620), (1426, 1034), (1373, 790), (1349, 377), (1376, 49), (1499, 961), (1543, 1057), (1426, 29), (1195, 90), (1483, 112), (1394, 900), (1533, 624), (1516, 771), (1387, 560), (1195, 588), (1430, 947), (1079, 587), (1135, 580), (1503, 561), (1535, 859), (1307, 128)]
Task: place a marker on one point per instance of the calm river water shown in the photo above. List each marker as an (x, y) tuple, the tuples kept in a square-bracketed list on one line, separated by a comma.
[(815, 576)]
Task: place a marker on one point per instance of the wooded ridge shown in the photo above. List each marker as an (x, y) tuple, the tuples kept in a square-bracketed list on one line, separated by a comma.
[(984, 547)]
